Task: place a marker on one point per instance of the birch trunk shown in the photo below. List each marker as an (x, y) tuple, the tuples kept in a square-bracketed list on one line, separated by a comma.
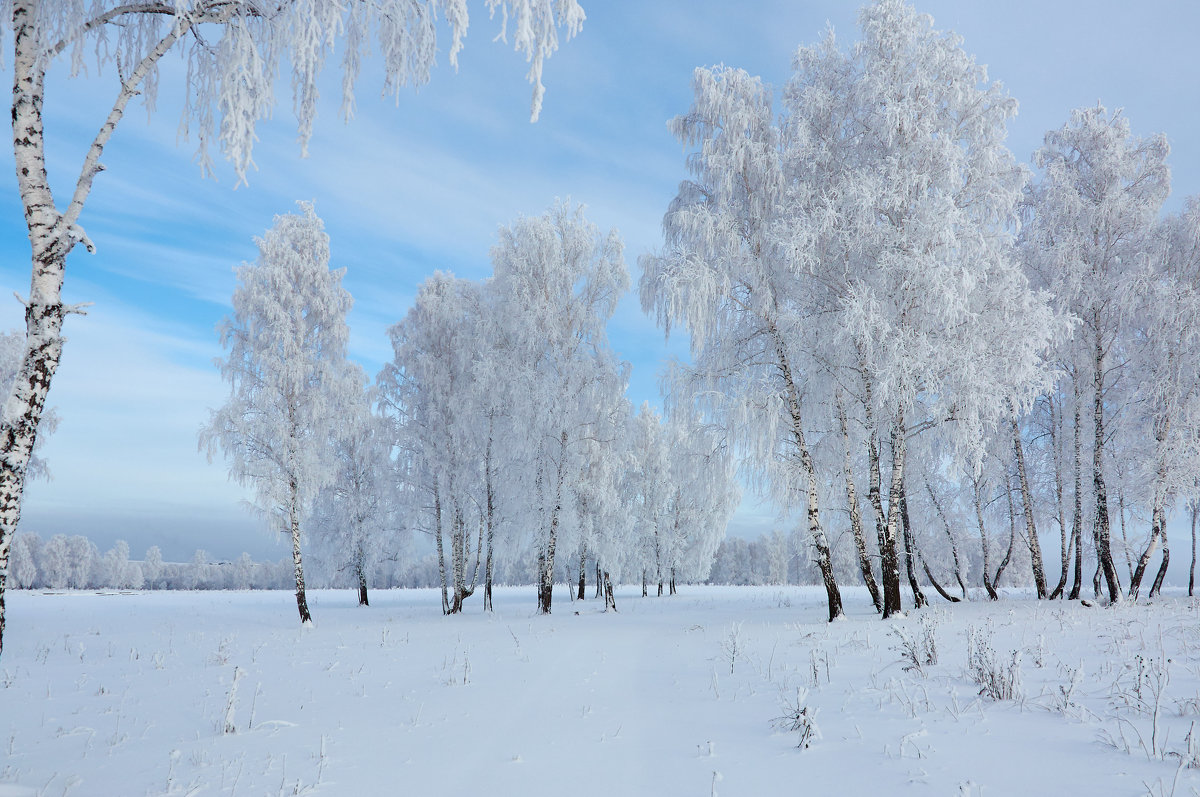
[(360, 573), (457, 558), (1158, 522), (929, 575), (824, 560), (298, 565), (874, 488), (1103, 534), (546, 581), (1077, 514), (983, 540), (1035, 547), (911, 552), (441, 554), (1156, 588), (1124, 536), (1064, 538), (860, 542), (658, 557), (953, 546), (887, 549), (1156, 530), (582, 571), (1012, 538), (489, 567)]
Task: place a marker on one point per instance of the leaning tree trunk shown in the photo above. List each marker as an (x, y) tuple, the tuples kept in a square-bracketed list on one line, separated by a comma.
[(983, 540), (1103, 534), (929, 575), (610, 601), (1157, 520), (910, 551), (458, 542), (1035, 547), (51, 237), (1012, 537), (953, 546), (1166, 559), (820, 544), (298, 565), (860, 542), (1156, 529)]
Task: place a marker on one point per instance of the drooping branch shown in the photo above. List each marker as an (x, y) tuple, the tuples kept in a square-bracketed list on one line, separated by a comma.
[(100, 20)]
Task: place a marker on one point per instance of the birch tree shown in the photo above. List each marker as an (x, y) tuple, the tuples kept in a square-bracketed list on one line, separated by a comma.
[(723, 276), (289, 379), (429, 388), (234, 51), (559, 279)]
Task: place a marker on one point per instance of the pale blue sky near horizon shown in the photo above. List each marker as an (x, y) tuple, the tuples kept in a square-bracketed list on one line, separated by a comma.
[(424, 183)]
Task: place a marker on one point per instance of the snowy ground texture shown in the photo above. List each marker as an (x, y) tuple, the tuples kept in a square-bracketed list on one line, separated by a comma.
[(222, 693)]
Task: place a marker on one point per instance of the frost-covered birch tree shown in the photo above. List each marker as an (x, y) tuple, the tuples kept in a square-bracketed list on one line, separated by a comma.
[(437, 425), (290, 382), (723, 275), (234, 51), (1093, 215), (559, 280)]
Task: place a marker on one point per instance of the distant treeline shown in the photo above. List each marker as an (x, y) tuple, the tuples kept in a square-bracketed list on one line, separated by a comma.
[(75, 562)]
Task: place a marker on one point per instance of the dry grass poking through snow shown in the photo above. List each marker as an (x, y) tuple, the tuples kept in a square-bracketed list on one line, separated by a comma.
[(733, 691)]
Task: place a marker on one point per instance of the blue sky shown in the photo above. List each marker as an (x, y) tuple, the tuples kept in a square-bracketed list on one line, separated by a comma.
[(422, 184)]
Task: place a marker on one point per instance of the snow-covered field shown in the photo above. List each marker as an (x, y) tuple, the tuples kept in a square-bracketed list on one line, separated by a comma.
[(132, 694)]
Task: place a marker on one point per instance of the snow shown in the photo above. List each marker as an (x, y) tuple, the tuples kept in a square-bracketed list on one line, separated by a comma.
[(129, 693)]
